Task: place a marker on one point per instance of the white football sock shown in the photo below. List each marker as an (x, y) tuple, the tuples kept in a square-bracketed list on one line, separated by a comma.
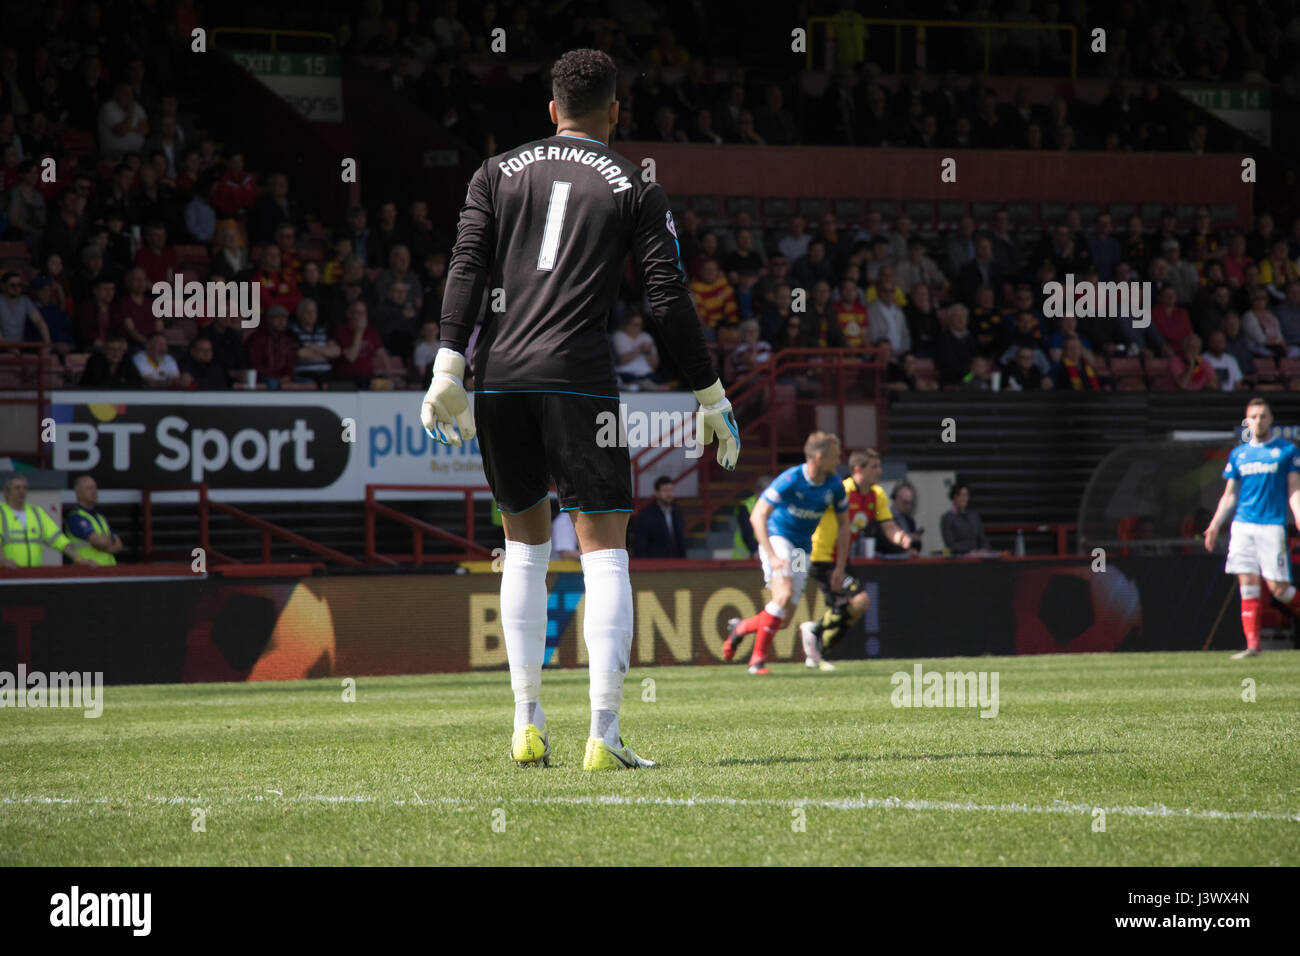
[(607, 629), (523, 622)]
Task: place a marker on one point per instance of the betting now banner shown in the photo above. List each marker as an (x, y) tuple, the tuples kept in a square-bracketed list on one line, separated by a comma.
[(279, 446), (340, 625)]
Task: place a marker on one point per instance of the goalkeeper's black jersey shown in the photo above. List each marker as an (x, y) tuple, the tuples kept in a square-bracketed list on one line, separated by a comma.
[(543, 237)]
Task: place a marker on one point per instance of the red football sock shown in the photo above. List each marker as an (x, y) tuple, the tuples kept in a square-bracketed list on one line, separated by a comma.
[(1250, 621), (751, 624), (768, 625)]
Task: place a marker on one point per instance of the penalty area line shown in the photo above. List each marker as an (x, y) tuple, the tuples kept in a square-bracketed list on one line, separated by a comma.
[(860, 802)]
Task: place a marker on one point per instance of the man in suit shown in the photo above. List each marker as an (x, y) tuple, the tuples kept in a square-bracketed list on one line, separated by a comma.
[(659, 526)]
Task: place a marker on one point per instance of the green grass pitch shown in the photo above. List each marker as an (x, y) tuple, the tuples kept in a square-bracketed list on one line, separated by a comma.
[(797, 768)]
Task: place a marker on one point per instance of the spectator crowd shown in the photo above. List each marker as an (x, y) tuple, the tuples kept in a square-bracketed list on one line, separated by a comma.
[(144, 195), (964, 308)]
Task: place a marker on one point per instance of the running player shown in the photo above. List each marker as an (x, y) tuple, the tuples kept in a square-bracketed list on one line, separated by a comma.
[(547, 227), (1263, 477), (783, 522), (868, 507)]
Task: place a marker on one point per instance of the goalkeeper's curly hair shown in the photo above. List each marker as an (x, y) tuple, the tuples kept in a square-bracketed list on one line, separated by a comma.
[(583, 81)]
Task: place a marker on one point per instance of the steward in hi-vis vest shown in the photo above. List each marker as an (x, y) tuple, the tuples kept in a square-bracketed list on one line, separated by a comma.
[(88, 529), (25, 530)]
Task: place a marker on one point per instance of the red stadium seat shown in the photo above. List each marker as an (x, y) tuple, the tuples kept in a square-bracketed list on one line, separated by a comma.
[(15, 251), (1124, 367), (1131, 383), (1288, 368), (1159, 378), (1265, 370)]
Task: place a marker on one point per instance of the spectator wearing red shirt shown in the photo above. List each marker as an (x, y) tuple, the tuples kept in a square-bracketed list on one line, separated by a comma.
[(272, 351), (133, 312), (1170, 319), (1190, 371), (362, 348), (236, 188), (851, 315), (1235, 261), (188, 173), (96, 320), (156, 259), (277, 287)]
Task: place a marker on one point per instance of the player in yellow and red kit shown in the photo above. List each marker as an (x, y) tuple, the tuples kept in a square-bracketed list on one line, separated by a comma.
[(868, 506)]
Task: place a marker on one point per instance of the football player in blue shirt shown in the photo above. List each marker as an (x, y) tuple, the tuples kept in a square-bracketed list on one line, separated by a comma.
[(1263, 478), (784, 519)]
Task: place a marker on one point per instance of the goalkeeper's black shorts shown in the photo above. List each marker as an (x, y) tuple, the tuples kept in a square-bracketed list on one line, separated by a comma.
[(529, 439), (835, 600)]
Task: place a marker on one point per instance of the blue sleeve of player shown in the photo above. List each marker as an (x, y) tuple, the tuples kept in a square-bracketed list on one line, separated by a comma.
[(779, 490), (841, 498), (1230, 469), (79, 526), (1293, 459)]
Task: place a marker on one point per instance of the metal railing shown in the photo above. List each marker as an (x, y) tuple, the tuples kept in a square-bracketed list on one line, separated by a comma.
[(268, 530), (419, 529), (988, 28), (1059, 531), (764, 429), (29, 359)]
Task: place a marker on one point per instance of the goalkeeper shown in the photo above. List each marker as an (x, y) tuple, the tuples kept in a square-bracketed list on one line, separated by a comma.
[(868, 505), (542, 238)]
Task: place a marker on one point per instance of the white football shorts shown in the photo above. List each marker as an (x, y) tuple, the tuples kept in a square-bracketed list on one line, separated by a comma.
[(1258, 549), (784, 549)]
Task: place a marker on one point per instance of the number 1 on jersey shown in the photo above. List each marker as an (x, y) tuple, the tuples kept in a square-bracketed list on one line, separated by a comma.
[(554, 226)]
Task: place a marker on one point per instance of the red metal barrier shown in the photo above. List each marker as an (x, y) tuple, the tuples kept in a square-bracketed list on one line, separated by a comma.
[(164, 569), (419, 528), (832, 366), (24, 366), (1061, 531), (267, 529)]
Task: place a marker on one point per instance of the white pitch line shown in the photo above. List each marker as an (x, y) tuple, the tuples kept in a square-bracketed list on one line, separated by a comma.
[(861, 802)]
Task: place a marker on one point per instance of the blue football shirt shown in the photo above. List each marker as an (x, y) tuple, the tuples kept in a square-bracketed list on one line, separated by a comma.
[(1262, 470), (798, 505)]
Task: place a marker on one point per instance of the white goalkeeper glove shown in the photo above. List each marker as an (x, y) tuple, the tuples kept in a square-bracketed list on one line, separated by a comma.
[(714, 417), (445, 403)]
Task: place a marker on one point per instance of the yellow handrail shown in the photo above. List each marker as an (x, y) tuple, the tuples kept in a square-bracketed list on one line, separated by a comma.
[(987, 26), (275, 34)]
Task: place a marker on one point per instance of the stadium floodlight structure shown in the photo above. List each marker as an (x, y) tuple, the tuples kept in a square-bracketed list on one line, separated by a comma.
[(1155, 497)]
